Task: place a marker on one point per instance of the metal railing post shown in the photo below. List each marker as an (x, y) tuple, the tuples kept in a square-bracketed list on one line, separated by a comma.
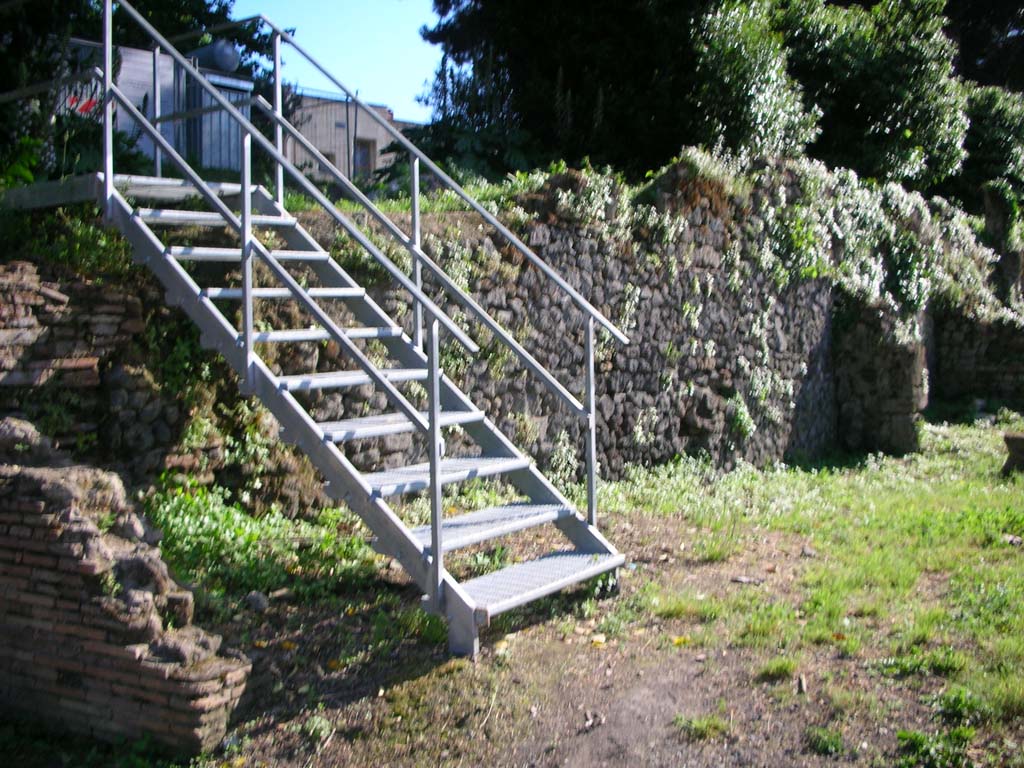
[(278, 130), (157, 158), (247, 249), (591, 447), (108, 107), (435, 449), (417, 265)]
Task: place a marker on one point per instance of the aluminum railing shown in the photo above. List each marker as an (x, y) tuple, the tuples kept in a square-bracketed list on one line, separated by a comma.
[(428, 316), (412, 242)]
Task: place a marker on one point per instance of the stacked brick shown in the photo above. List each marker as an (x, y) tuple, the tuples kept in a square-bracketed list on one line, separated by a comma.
[(49, 329), (87, 606)]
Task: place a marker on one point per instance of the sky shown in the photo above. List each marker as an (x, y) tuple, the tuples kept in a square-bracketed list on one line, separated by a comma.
[(373, 46)]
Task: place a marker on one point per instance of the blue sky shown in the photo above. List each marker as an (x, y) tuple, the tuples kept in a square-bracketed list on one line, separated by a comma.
[(373, 46)]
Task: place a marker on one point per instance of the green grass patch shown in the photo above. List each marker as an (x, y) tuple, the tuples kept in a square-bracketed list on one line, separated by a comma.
[(687, 606), (777, 670), (702, 728), (214, 542), (940, 750), (824, 741)]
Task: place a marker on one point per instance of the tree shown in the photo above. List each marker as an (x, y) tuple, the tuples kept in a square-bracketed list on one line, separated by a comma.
[(34, 47), (990, 41), (883, 78)]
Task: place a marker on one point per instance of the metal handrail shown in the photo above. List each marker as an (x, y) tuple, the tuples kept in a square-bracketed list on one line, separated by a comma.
[(397, 274), (300, 293), (453, 290), (518, 244)]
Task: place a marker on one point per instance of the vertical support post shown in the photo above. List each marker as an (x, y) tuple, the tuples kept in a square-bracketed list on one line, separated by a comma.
[(247, 324), (157, 156), (435, 451), (591, 446), (417, 265), (108, 106), (279, 112)]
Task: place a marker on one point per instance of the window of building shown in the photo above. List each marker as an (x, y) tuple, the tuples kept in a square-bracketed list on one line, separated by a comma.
[(329, 157)]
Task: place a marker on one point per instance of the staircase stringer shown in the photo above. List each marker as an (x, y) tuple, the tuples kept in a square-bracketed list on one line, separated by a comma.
[(531, 482), (344, 481)]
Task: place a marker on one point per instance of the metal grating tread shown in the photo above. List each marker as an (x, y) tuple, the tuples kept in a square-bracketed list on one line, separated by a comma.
[(416, 477), (235, 294), (524, 582), (490, 523), (389, 424), (172, 217), (321, 334), (163, 188), (234, 255), (306, 382)]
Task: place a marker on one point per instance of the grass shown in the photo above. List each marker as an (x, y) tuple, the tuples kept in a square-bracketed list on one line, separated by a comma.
[(701, 728), (777, 670), (912, 573), (824, 741)]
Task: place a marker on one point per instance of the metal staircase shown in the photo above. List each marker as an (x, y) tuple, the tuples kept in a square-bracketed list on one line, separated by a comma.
[(240, 208)]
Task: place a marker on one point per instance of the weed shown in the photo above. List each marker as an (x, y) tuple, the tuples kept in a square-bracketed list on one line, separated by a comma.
[(488, 560), (212, 541), (824, 741), (701, 728), (939, 750), (959, 706), (691, 607), (776, 670)]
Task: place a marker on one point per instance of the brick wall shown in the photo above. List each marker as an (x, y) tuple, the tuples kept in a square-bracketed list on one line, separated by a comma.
[(87, 606)]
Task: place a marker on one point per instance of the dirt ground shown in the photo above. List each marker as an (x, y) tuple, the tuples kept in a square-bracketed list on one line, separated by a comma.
[(550, 689)]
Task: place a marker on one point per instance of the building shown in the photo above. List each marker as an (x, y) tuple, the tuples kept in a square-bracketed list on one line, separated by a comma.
[(205, 137), (344, 133)]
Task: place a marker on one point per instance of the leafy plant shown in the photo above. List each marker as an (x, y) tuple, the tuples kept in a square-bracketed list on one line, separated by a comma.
[(701, 728), (824, 741), (939, 750)]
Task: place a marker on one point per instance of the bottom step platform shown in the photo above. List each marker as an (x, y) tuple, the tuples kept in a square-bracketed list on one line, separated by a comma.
[(524, 582)]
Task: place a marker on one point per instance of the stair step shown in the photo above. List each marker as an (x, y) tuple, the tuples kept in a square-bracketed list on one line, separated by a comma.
[(389, 424), (305, 382), (524, 582), (163, 188), (234, 255), (490, 523), (416, 477), (321, 334), (283, 293), (173, 217)]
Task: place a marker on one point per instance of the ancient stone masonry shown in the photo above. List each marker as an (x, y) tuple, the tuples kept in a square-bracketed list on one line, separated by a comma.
[(978, 359), (94, 634), (881, 383)]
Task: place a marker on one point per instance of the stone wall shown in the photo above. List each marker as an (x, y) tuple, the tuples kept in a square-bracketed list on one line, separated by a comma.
[(87, 606), (977, 359), (881, 383), (719, 363)]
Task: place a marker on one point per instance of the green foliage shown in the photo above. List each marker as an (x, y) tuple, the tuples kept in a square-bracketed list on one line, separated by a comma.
[(940, 750), (71, 238), (883, 78), (995, 139), (19, 161), (824, 741), (702, 728), (745, 98), (776, 670), (209, 540), (741, 423)]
